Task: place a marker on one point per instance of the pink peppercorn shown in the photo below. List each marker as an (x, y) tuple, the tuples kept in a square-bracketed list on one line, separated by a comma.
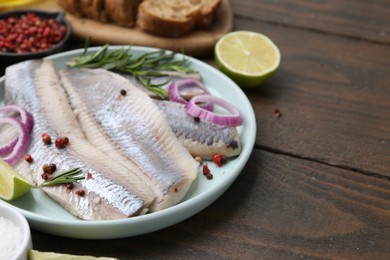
[(80, 192), (29, 33)]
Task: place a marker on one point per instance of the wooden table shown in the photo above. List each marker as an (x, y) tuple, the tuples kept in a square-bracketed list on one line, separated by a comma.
[(317, 184)]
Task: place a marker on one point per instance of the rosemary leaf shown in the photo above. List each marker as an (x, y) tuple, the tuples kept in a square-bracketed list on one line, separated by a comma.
[(158, 91), (143, 68), (72, 175)]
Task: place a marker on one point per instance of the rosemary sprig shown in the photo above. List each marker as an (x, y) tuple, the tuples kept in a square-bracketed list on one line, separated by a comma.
[(72, 175), (144, 68)]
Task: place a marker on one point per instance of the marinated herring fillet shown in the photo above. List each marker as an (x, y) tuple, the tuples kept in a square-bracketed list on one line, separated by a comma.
[(123, 122), (111, 191), (200, 138)]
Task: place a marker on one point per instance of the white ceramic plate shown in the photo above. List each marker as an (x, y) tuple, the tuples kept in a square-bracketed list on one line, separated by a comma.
[(47, 216)]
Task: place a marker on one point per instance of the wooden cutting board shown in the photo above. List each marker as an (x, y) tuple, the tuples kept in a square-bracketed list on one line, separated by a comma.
[(197, 43)]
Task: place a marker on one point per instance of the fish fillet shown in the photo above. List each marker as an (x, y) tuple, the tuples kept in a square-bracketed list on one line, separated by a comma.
[(130, 127), (111, 190), (200, 137)]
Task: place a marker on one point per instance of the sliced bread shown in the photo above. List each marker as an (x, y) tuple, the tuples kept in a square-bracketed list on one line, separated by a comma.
[(121, 12), (172, 18), (93, 9), (207, 13), (175, 18), (168, 17), (72, 6)]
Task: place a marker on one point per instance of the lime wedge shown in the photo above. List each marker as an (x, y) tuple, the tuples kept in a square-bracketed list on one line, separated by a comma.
[(12, 184), (248, 58), (37, 255)]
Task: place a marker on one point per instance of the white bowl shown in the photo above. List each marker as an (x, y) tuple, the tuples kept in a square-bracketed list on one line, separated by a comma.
[(11, 220)]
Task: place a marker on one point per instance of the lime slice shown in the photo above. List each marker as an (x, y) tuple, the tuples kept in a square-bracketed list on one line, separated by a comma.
[(37, 255), (12, 184), (248, 58)]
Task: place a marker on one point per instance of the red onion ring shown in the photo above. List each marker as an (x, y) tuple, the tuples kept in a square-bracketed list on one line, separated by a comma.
[(176, 87), (22, 143), (26, 119), (7, 148), (25, 116), (193, 109)]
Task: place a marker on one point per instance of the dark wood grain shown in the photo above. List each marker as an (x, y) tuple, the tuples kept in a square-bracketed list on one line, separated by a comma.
[(279, 207), (334, 96), (358, 19)]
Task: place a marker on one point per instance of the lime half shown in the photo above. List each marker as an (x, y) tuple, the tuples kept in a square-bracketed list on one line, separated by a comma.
[(12, 184), (248, 58)]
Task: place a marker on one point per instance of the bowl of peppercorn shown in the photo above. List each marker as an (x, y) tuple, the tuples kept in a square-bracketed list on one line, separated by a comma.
[(31, 34)]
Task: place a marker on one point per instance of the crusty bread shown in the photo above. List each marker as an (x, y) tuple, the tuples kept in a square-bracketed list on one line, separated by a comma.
[(207, 13), (172, 18), (93, 9), (72, 6), (168, 17), (121, 12), (176, 17)]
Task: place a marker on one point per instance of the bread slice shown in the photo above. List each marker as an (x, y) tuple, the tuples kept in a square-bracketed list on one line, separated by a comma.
[(121, 12), (171, 18), (72, 6), (93, 9), (207, 13)]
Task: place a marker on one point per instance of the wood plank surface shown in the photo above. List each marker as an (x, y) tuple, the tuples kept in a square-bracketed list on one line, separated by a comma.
[(279, 207), (334, 96), (353, 18)]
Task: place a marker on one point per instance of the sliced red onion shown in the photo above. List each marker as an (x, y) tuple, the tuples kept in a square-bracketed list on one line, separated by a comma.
[(8, 147), (25, 116), (193, 109), (26, 119), (21, 145), (178, 89)]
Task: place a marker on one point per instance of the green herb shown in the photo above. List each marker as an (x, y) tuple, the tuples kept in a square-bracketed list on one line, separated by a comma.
[(72, 175), (144, 68)]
